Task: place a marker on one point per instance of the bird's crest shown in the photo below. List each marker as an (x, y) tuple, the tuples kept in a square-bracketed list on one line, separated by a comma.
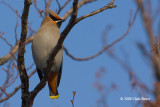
[(53, 15)]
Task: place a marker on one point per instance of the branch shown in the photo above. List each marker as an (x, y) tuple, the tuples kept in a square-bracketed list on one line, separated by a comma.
[(7, 57), (47, 5), (80, 4), (108, 6), (72, 101), (17, 24), (148, 24), (5, 40), (38, 10), (9, 6), (136, 84), (16, 89), (61, 8), (105, 47), (11, 94), (11, 80), (16, 12), (21, 50)]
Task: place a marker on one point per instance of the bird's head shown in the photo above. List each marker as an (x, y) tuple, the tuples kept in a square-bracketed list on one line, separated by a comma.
[(55, 18)]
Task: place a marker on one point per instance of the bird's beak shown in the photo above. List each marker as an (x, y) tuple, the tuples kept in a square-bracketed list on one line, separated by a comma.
[(62, 20)]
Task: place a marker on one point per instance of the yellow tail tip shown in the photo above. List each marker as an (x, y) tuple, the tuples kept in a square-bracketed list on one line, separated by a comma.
[(54, 97)]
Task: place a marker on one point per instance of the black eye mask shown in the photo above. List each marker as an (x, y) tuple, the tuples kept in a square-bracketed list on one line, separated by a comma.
[(53, 18), (59, 21)]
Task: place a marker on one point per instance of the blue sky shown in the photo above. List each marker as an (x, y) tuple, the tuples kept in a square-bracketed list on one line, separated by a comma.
[(84, 40)]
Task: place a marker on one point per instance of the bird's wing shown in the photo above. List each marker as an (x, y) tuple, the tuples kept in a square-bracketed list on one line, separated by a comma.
[(40, 74), (59, 74)]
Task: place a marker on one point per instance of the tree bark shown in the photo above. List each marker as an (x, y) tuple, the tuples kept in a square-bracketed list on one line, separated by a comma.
[(21, 65)]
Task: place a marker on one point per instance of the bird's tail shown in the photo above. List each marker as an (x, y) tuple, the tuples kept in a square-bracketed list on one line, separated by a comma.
[(53, 96), (52, 82)]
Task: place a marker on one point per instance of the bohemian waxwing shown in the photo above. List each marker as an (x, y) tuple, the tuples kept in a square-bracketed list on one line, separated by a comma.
[(44, 42)]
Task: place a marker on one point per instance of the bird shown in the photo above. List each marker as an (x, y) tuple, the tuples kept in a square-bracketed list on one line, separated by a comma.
[(43, 43)]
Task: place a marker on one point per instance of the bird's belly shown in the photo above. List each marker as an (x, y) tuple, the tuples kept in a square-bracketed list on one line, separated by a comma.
[(41, 60), (41, 52), (57, 61)]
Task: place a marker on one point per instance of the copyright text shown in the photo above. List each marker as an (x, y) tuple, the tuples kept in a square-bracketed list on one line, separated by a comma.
[(134, 98)]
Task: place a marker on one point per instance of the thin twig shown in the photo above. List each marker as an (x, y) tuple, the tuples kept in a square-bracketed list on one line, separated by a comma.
[(8, 5), (61, 8), (4, 39), (45, 2), (6, 58), (15, 11), (47, 6), (14, 79), (38, 10), (4, 91), (80, 4), (16, 89), (108, 6), (72, 101), (17, 24), (105, 47)]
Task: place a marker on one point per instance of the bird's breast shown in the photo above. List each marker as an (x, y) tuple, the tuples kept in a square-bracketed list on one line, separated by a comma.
[(44, 42)]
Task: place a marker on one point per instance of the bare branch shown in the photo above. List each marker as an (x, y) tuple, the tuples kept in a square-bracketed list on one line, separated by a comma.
[(7, 57), (16, 89), (8, 5), (47, 6), (17, 24), (147, 21), (3, 90), (45, 2), (148, 24), (136, 84), (80, 4), (105, 47), (11, 94), (72, 101), (21, 50), (61, 8), (38, 10), (65, 4), (5, 40), (108, 6), (16, 12), (10, 80)]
